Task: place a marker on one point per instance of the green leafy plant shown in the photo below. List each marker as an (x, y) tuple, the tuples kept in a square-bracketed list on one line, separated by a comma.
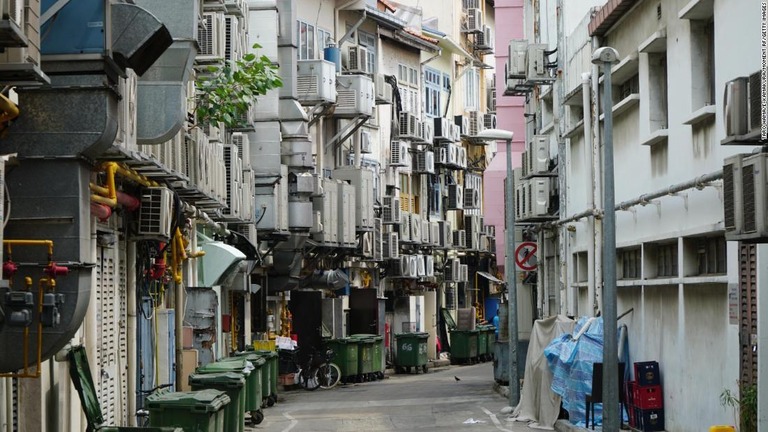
[(226, 93), (744, 408)]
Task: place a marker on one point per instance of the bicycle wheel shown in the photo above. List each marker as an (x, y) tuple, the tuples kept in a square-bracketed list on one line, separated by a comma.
[(329, 374), (308, 379)]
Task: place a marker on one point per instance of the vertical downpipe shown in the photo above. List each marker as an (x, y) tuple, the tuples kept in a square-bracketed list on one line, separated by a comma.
[(589, 164), (597, 190), (91, 335), (130, 279)]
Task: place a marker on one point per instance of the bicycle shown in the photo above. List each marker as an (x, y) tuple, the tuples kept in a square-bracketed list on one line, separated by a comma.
[(142, 415), (318, 371), (328, 372)]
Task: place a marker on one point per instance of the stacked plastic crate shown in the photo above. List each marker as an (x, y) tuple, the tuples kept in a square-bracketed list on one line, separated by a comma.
[(646, 400)]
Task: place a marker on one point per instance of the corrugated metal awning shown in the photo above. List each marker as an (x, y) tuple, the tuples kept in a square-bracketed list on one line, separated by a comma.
[(490, 277)]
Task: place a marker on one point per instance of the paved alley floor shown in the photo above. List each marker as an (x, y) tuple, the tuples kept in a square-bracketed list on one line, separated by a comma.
[(435, 401)]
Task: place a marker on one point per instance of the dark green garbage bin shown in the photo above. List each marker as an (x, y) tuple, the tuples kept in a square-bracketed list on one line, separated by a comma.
[(139, 429), (253, 385), (231, 383), (196, 411), (411, 352), (272, 361), (463, 346), (482, 343), (345, 356), (377, 355), (365, 347), (490, 341)]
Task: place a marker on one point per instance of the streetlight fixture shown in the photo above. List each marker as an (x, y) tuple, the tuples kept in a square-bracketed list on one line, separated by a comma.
[(509, 263), (607, 56)]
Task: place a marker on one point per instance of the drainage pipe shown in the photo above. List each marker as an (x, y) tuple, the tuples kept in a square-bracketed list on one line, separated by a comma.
[(589, 164)]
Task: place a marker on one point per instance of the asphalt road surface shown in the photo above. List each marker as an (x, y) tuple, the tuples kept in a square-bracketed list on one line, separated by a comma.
[(435, 401)]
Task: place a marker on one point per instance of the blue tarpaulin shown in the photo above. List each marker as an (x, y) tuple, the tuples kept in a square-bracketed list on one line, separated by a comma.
[(570, 358)]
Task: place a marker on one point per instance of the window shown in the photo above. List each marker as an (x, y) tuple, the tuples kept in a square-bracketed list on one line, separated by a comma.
[(702, 63), (629, 263), (368, 40), (408, 84), (657, 71), (323, 38), (666, 261), (446, 82), (306, 40), (432, 92), (435, 196), (471, 87)]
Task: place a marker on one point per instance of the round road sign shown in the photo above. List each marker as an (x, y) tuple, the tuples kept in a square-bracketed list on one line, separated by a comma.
[(525, 256)]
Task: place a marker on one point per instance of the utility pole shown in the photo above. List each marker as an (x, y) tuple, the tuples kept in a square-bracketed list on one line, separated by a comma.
[(607, 56)]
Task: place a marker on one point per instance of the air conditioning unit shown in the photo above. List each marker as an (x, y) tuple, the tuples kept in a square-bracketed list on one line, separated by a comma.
[(240, 140), (425, 227), (489, 121), (415, 228), (421, 267), (470, 4), (408, 126), (491, 102), (357, 59), (444, 238), (742, 110), (452, 270), (234, 173), (463, 122), (521, 188), (155, 213), (471, 198), (391, 245), (517, 66), (434, 233), (456, 132), (316, 82), (462, 157), (455, 197), (390, 212), (483, 244), (232, 49), (464, 273), (442, 153), (383, 91), (537, 64), (404, 229), (126, 111), (211, 37), (366, 244), (21, 64), (366, 146), (474, 22), (398, 153), (401, 267), (484, 40), (537, 155), (419, 130), (425, 162), (246, 211), (442, 129), (476, 122), (453, 155), (354, 96), (429, 266), (745, 190), (538, 197)]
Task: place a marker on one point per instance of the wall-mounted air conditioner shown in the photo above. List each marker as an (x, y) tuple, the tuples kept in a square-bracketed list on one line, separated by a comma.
[(429, 265), (456, 132), (742, 110), (425, 227), (442, 154), (126, 111), (346, 214), (357, 59), (366, 144), (445, 237), (365, 247), (232, 49), (491, 100), (476, 122), (421, 268), (471, 198), (434, 233), (328, 206), (240, 140), (537, 64), (425, 162), (517, 66), (378, 239), (416, 266), (462, 122), (470, 4), (383, 90), (733, 196), (474, 20), (391, 212), (155, 213), (398, 153), (211, 37), (315, 82), (453, 155), (442, 129), (485, 40), (461, 160), (354, 96), (408, 126), (234, 172), (419, 130), (455, 197), (464, 273), (428, 131), (246, 211), (400, 267), (745, 191), (391, 245), (415, 228), (489, 120), (459, 239), (452, 270), (538, 197), (404, 229), (521, 202), (21, 64), (537, 155)]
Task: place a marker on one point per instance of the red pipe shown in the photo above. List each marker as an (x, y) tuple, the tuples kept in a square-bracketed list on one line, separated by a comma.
[(101, 211), (130, 202)]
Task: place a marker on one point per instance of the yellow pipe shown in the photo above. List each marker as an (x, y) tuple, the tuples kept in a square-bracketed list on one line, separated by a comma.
[(10, 243), (9, 109), (196, 254), (106, 195), (133, 175), (178, 255), (38, 362)]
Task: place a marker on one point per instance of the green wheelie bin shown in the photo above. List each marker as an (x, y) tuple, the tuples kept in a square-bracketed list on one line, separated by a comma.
[(482, 342), (254, 385), (196, 411), (272, 362), (491, 341), (345, 356), (365, 347), (463, 346), (232, 383), (411, 352)]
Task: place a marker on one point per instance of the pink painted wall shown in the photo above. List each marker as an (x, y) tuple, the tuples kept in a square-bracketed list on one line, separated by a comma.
[(509, 116)]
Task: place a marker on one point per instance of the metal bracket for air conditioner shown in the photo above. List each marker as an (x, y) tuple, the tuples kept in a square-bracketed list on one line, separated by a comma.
[(323, 109), (347, 131)]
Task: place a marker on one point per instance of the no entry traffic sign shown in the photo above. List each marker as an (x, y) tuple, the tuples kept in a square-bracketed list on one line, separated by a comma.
[(525, 256)]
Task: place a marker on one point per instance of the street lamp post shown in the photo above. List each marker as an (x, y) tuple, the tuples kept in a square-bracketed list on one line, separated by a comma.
[(509, 263), (607, 56)]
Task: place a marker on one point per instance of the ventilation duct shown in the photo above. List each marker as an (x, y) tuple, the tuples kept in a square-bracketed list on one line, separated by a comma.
[(138, 38), (330, 279)]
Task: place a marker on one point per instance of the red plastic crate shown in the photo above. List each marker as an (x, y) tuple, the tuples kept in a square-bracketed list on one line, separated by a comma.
[(647, 397)]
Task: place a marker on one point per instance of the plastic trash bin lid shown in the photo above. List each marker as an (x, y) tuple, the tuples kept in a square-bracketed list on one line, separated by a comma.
[(208, 400), (415, 334), (229, 364), (226, 379), (257, 359)]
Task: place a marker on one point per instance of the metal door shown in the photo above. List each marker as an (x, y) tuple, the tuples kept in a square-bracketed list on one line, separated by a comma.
[(363, 312), (748, 313)]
